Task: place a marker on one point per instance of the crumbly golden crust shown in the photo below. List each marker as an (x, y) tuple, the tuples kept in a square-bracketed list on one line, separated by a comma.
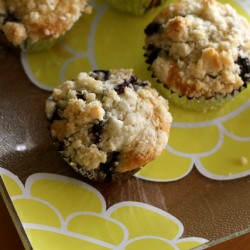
[(36, 20), (196, 48), (108, 122)]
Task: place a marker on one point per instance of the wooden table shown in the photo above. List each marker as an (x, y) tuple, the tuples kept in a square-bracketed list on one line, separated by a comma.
[(9, 238)]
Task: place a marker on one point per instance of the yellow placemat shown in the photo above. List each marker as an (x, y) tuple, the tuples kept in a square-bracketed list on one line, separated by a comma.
[(214, 142), (59, 212)]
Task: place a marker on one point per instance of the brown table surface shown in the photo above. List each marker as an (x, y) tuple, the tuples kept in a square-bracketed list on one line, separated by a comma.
[(9, 238), (207, 208)]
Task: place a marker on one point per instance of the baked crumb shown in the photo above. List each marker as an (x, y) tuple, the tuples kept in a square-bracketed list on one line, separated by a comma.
[(15, 32), (243, 160), (37, 20)]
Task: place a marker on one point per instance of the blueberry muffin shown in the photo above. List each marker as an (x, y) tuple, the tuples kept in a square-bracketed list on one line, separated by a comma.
[(107, 123), (37, 24), (199, 50), (135, 7)]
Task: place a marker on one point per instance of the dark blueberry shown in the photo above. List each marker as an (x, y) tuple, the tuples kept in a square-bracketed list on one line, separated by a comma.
[(55, 116), (60, 146), (152, 28), (121, 87), (102, 74), (140, 83), (81, 96), (151, 47), (244, 65), (133, 79), (153, 55), (97, 130), (144, 84), (10, 17), (109, 167), (3, 15)]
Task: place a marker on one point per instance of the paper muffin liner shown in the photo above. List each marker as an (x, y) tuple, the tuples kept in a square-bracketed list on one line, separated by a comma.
[(135, 7), (28, 45), (39, 45), (200, 104), (98, 175)]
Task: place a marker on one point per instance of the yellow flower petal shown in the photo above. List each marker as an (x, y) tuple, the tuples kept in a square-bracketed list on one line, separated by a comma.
[(189, 243), (241, 122), (166, 167), (98, 227), (142, 220), (149, 243), (227, 162), (194, 140), (126, 49), (49, 240), (66, 194), (39, 66), (74, 67), (75, 39), (35, 211), (12, 185)]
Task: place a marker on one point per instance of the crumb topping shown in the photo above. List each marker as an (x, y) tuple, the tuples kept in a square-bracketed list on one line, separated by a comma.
[(243, 160), (46, 19), (196, 48), (102, 125)]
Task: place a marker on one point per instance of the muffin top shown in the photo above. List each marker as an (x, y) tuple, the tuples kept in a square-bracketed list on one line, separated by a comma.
[(199, 48), (36, 20), (109, 121)]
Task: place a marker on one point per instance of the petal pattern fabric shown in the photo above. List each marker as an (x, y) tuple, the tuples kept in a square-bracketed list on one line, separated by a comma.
[(45, 214)]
